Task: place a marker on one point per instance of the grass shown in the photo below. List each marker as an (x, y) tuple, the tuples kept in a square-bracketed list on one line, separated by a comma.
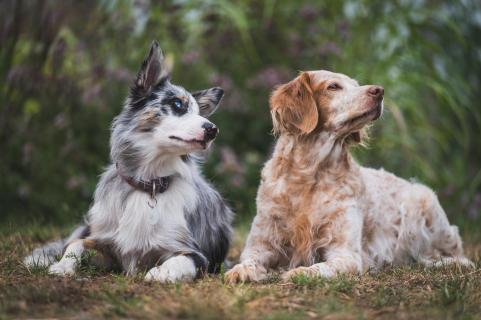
[(394, 292)]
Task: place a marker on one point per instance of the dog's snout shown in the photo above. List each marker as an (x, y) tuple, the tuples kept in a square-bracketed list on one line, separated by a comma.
[(210, 131), (376, 91)]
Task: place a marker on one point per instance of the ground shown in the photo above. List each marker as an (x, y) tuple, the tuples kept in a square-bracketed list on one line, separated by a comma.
[(408, 292)]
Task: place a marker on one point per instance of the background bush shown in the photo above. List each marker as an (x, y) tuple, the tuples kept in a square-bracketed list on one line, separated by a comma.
[(65, 69)]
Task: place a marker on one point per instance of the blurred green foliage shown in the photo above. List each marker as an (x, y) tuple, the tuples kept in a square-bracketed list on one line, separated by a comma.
[(65, 69)]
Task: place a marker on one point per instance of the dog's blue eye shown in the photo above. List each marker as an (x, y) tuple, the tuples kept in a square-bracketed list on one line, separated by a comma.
[(177, 104)]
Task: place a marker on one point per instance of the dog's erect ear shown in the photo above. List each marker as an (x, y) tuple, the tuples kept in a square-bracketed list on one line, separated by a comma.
[(208, 100), (293, 107), (153, 70)]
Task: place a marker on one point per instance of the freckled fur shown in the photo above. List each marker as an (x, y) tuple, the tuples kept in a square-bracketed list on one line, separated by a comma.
[(319, 212)]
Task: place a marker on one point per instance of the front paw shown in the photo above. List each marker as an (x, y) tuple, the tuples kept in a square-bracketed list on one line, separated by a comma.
[(300, 271), (61, 269), (244, 272), (180, 268)]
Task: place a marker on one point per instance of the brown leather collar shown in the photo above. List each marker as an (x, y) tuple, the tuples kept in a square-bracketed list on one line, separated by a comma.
[(152, 187)]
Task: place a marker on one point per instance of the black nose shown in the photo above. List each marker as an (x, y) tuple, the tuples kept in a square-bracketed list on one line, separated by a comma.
[(210, 131), (376, 91)]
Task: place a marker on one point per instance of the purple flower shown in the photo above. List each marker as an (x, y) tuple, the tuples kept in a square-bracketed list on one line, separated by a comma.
[(232, 167), (221, 80), (309, 12), (190, 57), (75, 182), (269, 77), (329, 48), (474, 209)]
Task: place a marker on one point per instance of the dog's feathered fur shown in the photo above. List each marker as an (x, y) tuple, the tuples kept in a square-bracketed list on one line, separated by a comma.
[(320, 213), (189, 227)]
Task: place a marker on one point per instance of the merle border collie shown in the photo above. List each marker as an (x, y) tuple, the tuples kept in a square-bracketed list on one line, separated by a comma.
[(152, 209)]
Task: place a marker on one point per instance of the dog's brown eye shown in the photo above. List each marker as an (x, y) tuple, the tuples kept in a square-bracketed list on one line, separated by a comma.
[(334, 86)]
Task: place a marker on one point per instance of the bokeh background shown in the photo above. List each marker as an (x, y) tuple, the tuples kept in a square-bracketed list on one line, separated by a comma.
[(66, 66)]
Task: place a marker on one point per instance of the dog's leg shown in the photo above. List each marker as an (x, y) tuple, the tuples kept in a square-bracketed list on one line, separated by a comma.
[(178, 268), (257, 256), (45, 256), (447, 261), (341, 260), (437, 243), (70, 259), (247, 270), (343, 254)]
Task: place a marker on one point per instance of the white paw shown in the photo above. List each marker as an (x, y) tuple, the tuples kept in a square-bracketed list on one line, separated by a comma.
[(62, 269), (316, 270), (245, 272), (178, 268), (39, 260), (291, 274), (447, 261)]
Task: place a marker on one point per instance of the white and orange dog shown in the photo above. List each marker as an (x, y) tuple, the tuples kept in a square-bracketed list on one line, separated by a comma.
[(319, 213)]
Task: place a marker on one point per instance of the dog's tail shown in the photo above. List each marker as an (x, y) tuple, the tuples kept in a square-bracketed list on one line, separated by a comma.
[(46, 255)]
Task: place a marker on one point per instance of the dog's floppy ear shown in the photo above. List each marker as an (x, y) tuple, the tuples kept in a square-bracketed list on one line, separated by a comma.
[(153, 70), (208, 100), (293, 107)]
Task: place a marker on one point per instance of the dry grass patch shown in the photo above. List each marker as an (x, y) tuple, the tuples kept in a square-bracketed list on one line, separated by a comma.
[(407, 292)]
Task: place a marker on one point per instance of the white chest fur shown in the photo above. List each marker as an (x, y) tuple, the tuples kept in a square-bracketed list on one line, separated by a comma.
[(136, 226), (142, 227)]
